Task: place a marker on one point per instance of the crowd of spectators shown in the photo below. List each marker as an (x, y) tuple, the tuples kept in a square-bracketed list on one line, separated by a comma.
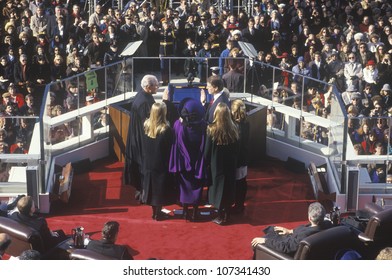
[(346, 42)]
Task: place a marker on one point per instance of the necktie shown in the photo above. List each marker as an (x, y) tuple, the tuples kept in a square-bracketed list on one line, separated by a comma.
[(212, 100)]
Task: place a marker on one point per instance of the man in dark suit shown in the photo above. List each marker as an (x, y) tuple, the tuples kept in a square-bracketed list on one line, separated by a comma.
[(59, 12), (233, 80), (252, 35), (287, 241), (317, 69), (215, 87), (23, 73), (106, 246), (26, 215)]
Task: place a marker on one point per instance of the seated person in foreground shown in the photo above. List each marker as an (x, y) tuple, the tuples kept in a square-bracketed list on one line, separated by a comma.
[(26, 215), (29, 255), (385, 254), (106, 245), (5, 242), (287, 240)]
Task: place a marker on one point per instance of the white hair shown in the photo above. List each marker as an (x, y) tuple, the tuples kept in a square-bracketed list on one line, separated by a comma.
[(149, 80)]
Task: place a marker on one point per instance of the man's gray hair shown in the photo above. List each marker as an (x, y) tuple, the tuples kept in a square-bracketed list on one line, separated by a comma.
[(316, 213), (149, 80)]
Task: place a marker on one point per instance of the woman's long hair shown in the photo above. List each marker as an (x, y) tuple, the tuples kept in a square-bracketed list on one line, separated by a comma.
[(238, 110), (223, 130), (157, 122)]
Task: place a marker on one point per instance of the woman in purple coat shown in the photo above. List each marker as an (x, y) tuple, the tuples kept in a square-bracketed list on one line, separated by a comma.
[(186, 158)]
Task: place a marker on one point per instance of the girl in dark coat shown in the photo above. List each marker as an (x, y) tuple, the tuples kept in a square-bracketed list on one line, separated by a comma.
[(157, 143), (238, 113), (221, 152), (186, 159)]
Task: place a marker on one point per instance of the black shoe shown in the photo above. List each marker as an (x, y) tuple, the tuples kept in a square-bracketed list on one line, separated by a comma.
[(237, 209), (161, 216)]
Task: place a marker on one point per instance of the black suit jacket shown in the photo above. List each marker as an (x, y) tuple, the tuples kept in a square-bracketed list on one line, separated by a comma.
[(233, 81), (289, 243), (39, 224), (211, 107), (18, 76), (255, 39), (109, 249)]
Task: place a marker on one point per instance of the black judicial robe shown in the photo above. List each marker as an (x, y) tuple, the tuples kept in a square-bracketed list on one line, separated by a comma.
[(140, 111)]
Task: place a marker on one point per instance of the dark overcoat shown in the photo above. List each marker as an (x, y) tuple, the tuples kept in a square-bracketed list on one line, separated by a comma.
[(157, 181), (222, 161)]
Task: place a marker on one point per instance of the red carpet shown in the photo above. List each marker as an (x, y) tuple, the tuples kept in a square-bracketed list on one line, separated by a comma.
[(275, 196)]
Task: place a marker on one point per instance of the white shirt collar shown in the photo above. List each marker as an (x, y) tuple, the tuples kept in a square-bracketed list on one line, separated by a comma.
[(216, 96)]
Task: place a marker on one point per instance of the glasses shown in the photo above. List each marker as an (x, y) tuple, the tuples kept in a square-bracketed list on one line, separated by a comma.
[(362, 47), (351, 57)]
